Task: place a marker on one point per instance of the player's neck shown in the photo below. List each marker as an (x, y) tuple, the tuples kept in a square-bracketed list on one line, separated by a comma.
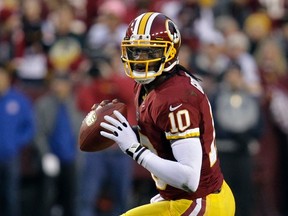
[(157, 82)]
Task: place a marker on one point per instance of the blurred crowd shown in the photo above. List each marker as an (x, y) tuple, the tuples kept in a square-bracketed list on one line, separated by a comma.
[(59, 57)]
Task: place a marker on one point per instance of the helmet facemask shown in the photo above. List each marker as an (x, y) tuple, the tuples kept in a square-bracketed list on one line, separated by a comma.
[(144, 60)]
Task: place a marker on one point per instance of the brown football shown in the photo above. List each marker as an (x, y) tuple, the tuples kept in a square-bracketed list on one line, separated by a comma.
[(90, 139)]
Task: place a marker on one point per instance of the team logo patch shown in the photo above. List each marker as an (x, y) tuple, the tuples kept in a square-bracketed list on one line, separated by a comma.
[(171, 108), (173, 32)]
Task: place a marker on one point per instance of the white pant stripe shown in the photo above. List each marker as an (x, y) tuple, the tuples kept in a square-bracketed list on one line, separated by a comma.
[(197, 208)]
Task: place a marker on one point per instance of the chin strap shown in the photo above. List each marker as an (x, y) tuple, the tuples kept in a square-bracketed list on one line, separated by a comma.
[(143, 80)]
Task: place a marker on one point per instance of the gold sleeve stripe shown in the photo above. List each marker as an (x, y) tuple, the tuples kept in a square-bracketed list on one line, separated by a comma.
[(187, 134)]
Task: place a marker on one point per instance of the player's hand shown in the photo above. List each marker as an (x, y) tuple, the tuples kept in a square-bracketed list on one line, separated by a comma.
[(122, 133)]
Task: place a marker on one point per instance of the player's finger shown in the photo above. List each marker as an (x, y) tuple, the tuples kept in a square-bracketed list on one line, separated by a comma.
[(111, 120), (119, 116), (115, 100), (95, 106), (104, 103), (108, 135), (108, 127)]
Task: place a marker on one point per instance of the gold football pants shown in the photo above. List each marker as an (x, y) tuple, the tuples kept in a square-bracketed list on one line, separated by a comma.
[(216, 204)]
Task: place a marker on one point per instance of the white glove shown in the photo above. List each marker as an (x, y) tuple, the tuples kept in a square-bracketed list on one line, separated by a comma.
[(123, 135)]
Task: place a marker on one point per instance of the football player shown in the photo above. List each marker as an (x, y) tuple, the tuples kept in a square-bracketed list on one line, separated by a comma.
[(175, 125)]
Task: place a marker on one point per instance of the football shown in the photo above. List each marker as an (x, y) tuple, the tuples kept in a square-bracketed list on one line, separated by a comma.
[(90, 139)]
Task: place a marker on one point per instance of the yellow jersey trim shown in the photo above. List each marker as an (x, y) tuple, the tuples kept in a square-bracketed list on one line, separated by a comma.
[(187, 134)]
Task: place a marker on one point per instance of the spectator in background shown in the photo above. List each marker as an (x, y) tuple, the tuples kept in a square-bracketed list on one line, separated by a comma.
[(238, 9), (238, 124), (58, 123), (108, 29), (237, 45), (66, 50), (210, 62), (107, 175), (17, 129), (272, 174), (257, 27), (10, 34), (277, 10), (30, 59), (226, 24)]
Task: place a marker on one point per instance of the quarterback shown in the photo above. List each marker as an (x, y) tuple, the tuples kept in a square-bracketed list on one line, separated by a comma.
[(175, 125)]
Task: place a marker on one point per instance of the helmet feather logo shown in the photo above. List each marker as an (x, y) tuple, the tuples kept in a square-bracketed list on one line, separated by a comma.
[(173, 32)]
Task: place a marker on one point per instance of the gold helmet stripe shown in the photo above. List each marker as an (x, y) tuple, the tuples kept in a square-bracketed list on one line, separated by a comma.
[(145, 23)]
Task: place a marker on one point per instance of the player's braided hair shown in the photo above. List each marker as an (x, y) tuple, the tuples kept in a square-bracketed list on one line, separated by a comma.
[(179, 68)]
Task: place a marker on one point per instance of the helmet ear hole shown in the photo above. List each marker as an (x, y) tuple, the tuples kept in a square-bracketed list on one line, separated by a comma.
[(171, 53)]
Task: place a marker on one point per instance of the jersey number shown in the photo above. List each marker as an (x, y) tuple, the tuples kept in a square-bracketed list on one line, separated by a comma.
[(179, 117)]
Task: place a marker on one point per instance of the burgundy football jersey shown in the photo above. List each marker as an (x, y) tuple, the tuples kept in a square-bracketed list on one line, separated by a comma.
[(179, 109)]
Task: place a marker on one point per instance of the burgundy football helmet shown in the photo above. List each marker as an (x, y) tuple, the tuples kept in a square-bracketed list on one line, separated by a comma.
[(150, 46)]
